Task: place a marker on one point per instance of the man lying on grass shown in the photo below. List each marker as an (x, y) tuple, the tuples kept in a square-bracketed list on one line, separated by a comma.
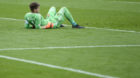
[(34, 20)]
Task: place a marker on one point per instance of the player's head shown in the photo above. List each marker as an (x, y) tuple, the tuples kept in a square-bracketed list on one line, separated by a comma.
[(35, 7)]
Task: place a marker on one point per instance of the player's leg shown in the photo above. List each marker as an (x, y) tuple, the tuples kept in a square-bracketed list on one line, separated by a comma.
[(64, 12), (51, 16), (58, 19), (51, 12)]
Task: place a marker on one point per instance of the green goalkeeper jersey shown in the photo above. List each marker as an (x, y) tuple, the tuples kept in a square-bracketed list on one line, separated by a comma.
[(34, 20)]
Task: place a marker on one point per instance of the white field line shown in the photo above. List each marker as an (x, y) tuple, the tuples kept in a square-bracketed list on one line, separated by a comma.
[(86, 27), (109, 29), (67, 47), (57, 67), (2, 18)]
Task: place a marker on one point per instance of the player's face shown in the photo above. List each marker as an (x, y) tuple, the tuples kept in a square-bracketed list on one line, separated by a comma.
[(37, 10)]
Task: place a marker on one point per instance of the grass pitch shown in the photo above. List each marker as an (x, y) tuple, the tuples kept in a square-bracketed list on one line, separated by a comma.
[(120, 62)]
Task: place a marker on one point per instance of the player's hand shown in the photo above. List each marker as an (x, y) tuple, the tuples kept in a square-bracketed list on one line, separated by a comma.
[(49, 25)]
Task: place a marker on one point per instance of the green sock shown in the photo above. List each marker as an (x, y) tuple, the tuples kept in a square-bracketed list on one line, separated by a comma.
[(69, 16)]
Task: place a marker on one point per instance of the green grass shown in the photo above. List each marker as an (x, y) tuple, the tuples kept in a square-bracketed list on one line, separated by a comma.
[(120, 62), (98, 13)]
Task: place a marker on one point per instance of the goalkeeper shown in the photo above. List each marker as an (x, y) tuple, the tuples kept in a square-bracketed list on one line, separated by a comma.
[(34, 20)]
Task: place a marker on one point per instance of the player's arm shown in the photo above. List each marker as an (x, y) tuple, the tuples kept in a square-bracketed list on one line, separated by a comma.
[(27, 25), (48, 26), (37, 22)]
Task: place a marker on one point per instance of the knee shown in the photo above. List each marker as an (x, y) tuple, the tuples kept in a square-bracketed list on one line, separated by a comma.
[(64, 7), (53, 7)]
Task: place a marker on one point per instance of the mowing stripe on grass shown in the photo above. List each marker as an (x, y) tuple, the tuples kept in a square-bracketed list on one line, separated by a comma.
[(126, 2), (57, 67), (67, 47), (86, 27)]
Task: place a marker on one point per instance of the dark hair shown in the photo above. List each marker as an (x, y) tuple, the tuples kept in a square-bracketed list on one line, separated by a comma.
[(34, 5)]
